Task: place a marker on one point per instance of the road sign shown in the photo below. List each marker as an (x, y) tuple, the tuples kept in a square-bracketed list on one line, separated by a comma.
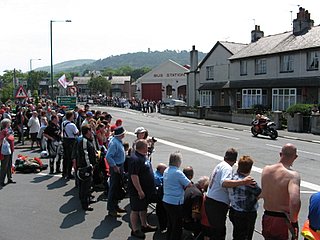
[(69, 101), (21, 93)]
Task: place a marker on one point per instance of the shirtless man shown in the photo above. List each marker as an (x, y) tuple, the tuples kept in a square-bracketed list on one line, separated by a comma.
[(281, 194)]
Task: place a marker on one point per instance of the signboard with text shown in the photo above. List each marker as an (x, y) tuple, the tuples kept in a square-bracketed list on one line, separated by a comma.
[(69, 101)]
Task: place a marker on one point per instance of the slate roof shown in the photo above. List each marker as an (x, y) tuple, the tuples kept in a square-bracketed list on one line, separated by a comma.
[(280, 43), (81, 80), (232, 47), (120, 79)]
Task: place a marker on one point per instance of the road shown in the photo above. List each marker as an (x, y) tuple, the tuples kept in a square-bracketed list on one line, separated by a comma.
[(43, 206)]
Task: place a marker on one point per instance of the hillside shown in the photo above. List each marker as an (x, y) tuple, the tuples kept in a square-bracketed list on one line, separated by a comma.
[(65, 66), (135, 60)]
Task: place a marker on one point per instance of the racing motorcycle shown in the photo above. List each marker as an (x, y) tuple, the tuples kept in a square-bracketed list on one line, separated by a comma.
[(264, 127)]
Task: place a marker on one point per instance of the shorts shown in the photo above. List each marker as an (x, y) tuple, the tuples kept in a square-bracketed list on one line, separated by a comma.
[(275, 226), (138, 204), (34, 136)]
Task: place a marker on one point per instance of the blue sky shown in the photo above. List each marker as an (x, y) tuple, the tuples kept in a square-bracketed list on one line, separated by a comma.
[(101, 28)]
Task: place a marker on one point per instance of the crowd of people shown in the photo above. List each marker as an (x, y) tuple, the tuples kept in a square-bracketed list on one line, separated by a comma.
[(93, 152)]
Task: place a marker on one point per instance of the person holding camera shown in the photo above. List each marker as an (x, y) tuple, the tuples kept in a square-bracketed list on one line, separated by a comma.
[(143, 133), (86, 158)]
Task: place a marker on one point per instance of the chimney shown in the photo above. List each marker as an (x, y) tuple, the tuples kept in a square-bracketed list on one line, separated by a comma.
[(303, 23), (193, 59), (256, 34)]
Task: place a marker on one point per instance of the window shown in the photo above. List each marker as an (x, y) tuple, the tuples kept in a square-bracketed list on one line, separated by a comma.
[(313, 60), (286, 63), (206, 98), (251, 97), (261, 66), (210, 73), (243, 68), (282, 98)]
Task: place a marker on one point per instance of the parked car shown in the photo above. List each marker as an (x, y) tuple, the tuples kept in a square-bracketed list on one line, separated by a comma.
[(173, 102)]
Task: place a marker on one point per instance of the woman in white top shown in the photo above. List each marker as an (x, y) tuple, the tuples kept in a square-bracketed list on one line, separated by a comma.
[(34, 126), (43, 125)]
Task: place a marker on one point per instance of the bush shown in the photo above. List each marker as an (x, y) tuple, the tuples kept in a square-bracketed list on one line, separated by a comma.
[(304, 109), (261, 109)]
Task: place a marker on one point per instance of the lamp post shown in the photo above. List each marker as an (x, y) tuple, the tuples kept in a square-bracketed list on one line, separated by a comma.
[(51, 64), (30, 79), (38, 59)]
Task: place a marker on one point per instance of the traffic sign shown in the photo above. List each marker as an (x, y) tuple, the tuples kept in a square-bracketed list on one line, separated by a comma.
[(69, 101), (21, 93)]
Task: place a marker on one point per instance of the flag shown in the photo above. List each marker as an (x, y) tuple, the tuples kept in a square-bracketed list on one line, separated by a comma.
[(63, 81)]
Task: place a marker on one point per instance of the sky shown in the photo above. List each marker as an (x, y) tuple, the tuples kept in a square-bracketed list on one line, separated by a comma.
[(101, 28)]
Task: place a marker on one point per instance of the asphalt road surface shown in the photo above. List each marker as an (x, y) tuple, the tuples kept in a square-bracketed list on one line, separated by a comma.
[(42, 206)]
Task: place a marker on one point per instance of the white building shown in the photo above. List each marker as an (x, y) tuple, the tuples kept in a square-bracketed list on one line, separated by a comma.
[(276, 71), (167, 80)]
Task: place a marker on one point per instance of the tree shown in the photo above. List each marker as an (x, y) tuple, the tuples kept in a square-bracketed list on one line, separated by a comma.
[(34, 78), (99, 85), (7, 83)]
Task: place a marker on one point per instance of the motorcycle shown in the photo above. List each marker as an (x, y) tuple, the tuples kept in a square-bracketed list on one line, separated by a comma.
[(265, 127)]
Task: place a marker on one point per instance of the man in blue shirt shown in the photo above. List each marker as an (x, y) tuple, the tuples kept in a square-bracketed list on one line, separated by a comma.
[(115, 157)]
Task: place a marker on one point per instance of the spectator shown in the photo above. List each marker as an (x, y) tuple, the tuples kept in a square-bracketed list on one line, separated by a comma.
[(43, 125), (115, 157), (311, 228), (188, 171), (174, 183), (7, 142), (160, 211), (70, 132), (193, 198), (141, 186), (244, 204), (86, 158), (34, 126), (53, 135), (281, 195), (217, 198), (89, 116)]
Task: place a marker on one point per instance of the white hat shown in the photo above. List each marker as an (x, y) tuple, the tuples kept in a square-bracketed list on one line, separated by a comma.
[(140, 130)]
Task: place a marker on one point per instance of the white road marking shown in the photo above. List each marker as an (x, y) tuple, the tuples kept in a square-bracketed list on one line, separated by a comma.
[(299, 151), (119, 110), (308, 192), (219, 135), (305, 184)]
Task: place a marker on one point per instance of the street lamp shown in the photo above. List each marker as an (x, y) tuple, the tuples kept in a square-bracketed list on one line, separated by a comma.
[(32, 59), (51, 65), (38, 59)]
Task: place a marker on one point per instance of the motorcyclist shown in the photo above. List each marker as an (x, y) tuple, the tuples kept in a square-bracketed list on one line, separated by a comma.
[(261, 122)]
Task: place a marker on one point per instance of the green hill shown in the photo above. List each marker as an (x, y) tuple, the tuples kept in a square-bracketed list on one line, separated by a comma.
[(66, 66), (134, 60)]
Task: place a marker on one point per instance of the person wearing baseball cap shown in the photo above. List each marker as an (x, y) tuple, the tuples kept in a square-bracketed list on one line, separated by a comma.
[(116, 158), (89, 116)]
